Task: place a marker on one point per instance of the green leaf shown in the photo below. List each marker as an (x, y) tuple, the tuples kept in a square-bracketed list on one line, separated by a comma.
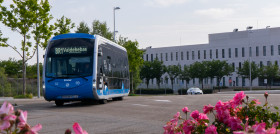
[(275, 107)]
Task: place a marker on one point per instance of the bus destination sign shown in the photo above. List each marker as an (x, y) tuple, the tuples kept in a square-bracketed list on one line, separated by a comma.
[(70, 50)]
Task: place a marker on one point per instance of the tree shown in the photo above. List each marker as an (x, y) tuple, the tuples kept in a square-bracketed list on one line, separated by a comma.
[(146, 72), (158, 69), (63, 26), (31, 70), (198, 70), (100, 28), (173, 71), (269, 72), (5, 86), (83, 28), (244, 71), (185, 75), (27, 17), (135, 62), (12, 67)]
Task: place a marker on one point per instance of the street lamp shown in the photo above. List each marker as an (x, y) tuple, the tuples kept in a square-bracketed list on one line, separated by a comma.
[(249, 28), (115, 8)]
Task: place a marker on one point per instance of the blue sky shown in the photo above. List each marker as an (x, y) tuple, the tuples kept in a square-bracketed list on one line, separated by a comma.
[(161, 23)]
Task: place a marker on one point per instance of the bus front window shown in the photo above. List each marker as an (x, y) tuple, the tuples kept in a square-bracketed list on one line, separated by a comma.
[(70, 59)]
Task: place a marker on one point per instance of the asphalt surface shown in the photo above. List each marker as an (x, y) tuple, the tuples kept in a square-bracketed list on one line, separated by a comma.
[(133, 115)]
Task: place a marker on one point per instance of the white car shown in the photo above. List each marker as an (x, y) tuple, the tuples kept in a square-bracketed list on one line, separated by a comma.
[(194, 90)]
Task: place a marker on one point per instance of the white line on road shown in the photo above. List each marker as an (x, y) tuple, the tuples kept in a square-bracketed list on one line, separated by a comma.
[(163, 100), (140, 105)]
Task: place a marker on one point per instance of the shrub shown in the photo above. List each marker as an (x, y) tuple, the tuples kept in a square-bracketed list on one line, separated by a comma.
[(183, 91), (154, 91), (207, 91), (28, 96), (238, 116)]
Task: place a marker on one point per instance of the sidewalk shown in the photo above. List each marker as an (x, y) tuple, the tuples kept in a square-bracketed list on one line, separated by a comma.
[(23, 99), (252, 92)]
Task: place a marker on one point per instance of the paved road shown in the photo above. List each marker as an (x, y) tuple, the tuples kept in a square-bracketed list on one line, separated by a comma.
[(138, 114)]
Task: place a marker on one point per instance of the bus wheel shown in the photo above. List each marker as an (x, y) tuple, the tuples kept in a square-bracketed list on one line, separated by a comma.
[(103, 101), (59, 103)]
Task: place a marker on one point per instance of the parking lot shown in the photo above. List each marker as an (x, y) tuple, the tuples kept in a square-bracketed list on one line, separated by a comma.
[(135, 114)]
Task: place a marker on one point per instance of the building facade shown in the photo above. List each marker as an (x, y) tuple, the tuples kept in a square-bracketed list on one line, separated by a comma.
[(261, 46)]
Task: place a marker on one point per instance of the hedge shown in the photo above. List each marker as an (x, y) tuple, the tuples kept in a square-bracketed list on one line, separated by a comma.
[(154, 91)]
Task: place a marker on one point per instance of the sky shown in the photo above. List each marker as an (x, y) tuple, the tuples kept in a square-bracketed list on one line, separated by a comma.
[(159, 23)]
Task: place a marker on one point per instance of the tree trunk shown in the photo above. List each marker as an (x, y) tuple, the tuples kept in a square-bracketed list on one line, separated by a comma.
[(147, 82), (158, 83), (201, 83), (23, 68)]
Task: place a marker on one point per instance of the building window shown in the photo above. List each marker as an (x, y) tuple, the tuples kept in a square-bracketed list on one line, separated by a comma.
[(204, 54), (233, 67), (157, 56), (198, 54), (243, 81), (166, 56), (182, 55), (239, 65), (223, 53), (272, 50), (152, 57), (276, 62), (229, 53), (217, 53), (237, 83), (171, 56), (188, 55), (250, 51), (194, 81), (236, 52), (264, 50), (210, 53), (243, 52), (257, 51), (192, 55), (268, 63), (278, 49), (147, 57), (261, 64), (160, 56), (176, 56)]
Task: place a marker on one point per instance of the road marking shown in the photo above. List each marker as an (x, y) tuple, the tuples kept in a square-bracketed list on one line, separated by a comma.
[(140, 105), (163, 100)]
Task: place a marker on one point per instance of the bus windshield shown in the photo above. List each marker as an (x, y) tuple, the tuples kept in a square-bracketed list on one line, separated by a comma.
[(70, 58)]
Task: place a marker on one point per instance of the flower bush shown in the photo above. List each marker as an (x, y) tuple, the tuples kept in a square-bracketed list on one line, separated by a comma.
[(237, 116), (15, 122)]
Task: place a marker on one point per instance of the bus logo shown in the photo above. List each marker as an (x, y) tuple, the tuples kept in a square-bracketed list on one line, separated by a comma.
[(78, 83), (67, 85), (67, 79)]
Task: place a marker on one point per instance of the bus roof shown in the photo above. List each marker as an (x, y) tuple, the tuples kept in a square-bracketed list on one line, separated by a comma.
[(73, 35)]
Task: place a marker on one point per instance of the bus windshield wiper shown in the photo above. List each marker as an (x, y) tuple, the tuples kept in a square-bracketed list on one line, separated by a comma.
[(81, 76), (52, 78)]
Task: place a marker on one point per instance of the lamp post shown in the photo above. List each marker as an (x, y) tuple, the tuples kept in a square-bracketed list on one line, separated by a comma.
[(249, 28), (115, 8)]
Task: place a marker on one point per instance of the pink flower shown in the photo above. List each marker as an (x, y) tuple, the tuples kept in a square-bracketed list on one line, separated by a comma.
[(195, 114), (35, 129), (235, 124), (211, 130), (78, 129), (271, 131), (256, 101), (177, 115), (237, 99), (188, 126), (207, 109), (22, 118), (185, 109), (259, 128), (202, 116), (6, 108)]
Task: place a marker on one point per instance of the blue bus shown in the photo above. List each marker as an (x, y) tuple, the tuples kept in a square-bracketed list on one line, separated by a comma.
[(84, 67)]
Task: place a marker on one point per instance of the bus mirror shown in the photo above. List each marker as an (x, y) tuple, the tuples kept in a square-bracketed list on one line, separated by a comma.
[(100, 53), (43, 56)]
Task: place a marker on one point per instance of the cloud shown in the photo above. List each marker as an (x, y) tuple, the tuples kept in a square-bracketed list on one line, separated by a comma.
[(215, 12), (271, 11), (164, 3)]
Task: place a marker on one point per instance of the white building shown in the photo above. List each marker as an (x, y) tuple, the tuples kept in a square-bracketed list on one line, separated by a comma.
[(234, 47)]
